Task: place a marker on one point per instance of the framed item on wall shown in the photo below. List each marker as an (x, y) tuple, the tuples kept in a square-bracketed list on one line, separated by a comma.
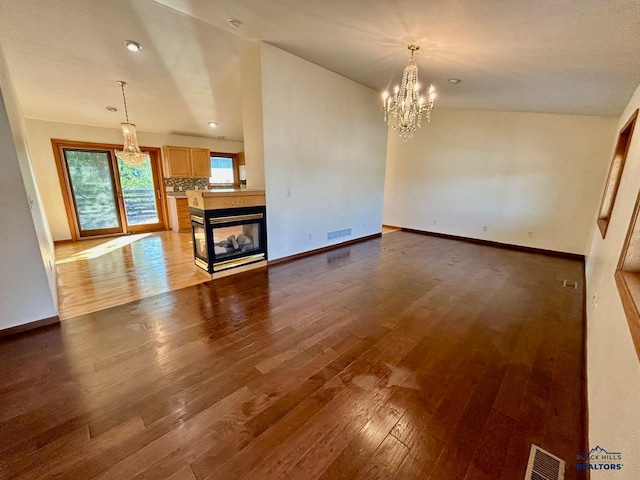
[(615, 173)]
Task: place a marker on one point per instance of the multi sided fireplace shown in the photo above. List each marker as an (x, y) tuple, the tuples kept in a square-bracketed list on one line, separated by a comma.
[(228, 228)]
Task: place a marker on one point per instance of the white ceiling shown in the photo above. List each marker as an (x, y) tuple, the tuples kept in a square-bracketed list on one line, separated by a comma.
[(580, 56), (65, 57)]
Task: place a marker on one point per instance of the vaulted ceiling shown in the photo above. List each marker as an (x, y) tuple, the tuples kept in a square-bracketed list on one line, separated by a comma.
[(577, 57)]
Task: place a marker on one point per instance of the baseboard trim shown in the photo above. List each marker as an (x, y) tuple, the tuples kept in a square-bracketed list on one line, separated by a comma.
[(490, 243), (25, 327), (298, 256)]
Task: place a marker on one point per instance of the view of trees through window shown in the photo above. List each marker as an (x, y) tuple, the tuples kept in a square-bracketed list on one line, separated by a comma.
[(91, 182), (138, 193), (94, 193)]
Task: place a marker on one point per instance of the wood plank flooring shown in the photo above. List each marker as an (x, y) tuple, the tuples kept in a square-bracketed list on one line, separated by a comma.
[(407, 357), (105, 272)]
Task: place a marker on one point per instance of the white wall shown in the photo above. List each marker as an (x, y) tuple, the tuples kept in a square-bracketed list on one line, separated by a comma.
[(612, 364), (40, 133), (512, 172), (253, 133), (27, 273), (324, 154)]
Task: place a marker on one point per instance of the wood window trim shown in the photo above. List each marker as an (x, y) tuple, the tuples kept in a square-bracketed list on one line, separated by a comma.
[(628, 282), (236, 169), (58, 145), (622, 149)]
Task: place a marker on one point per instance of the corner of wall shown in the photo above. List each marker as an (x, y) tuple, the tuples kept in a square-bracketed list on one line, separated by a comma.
[(31, 251), (252, 119)]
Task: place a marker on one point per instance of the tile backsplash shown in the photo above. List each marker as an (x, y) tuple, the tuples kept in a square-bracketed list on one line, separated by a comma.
[(182, 184)]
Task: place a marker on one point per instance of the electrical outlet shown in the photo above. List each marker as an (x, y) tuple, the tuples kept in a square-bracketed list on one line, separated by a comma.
[(310, 236), (288, 192), (435, 222), (484, 228), (530, 234), (594, 299)]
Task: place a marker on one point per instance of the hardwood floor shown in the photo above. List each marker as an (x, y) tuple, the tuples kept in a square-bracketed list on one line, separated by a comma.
[(389, 229), (102, 273), (404, 357)]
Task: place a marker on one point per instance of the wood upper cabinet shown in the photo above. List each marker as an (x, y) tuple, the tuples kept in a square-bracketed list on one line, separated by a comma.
[(200, 162), (176, 161), (186, 162)]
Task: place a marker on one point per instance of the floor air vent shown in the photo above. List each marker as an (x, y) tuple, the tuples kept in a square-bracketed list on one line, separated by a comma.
[(339, 234), (570, 284), (544, 466)]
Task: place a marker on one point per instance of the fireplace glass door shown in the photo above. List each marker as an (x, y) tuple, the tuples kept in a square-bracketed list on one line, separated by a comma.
[(200, 245), (200, 242), (234, 241)]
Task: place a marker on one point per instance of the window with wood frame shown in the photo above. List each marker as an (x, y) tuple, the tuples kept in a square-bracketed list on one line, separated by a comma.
[(103, 196), (615, 174), (224, 170), (628, 277)]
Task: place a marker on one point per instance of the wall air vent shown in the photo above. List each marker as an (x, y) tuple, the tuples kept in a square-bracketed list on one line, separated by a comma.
[(339, 234), (570, 284), (544, 466)]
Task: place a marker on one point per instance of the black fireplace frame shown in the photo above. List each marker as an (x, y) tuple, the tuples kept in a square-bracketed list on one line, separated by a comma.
[(203, 217)]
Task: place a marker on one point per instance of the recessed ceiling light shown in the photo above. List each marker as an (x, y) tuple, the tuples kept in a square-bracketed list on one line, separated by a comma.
[(111, 108), (132, 46), (234, 22), (221, 137), (213, 124), (455, 81)]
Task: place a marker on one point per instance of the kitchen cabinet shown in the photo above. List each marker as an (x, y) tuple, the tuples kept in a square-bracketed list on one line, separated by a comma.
[(186, 162), (200, 162), (179, 214)]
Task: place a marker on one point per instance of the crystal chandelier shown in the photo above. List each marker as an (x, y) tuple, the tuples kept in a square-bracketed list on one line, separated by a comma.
[(404, 110), (130, 153)]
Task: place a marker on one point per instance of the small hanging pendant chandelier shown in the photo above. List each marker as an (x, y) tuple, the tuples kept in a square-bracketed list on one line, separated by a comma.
[(130, 153), (403, 111)]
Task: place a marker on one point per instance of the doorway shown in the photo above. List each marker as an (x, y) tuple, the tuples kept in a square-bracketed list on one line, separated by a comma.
[(105, 196)]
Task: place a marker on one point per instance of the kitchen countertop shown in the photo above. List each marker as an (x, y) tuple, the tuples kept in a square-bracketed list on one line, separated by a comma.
[(225, 198), (225, 192)]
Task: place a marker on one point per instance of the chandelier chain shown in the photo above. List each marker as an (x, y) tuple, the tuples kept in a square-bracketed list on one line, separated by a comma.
[(124, 99)]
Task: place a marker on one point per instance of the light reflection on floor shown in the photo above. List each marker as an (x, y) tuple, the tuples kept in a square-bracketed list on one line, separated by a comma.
[(96, 274), (102, 249)]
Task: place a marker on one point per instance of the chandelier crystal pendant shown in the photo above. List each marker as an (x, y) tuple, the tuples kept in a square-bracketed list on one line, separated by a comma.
[(403, 111), (130, 153)]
